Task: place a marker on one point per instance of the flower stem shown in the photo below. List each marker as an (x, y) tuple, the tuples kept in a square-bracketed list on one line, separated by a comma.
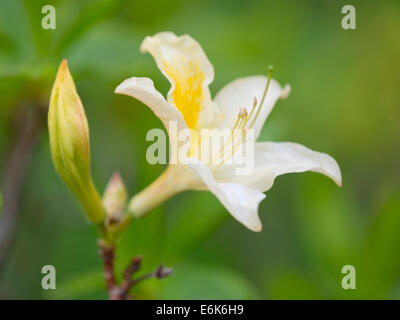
[(121, 292), (108, 245)]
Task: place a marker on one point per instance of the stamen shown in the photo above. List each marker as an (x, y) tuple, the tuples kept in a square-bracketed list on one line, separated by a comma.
[(236, 146), (252, 110), (270, 71), (241, 122), (244, 112), (237, 121)]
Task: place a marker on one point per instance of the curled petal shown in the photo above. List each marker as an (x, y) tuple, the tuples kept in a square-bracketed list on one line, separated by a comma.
[(185, 65), (241, 201), (272, 159), (143, 90)]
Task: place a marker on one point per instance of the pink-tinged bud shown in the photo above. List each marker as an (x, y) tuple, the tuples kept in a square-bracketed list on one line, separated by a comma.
[(69, 143), (115, 197)]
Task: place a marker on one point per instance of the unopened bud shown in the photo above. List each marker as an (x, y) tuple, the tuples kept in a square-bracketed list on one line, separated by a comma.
[(69, 143), (115, 197), (163, 272)]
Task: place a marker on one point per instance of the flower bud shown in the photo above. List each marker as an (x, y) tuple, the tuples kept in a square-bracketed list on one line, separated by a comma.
[(115, 198), (69, 143)]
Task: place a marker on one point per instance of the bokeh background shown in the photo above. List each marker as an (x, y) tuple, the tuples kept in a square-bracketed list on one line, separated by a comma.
[(345, 101)]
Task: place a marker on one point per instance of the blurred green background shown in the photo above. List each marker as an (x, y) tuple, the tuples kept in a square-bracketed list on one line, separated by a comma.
[(345, 101)]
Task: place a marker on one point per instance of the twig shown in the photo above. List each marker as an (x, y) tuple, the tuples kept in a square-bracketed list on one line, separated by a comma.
[(121, 292), (107, 253), (160, 273), (127, 281), (28, 128)]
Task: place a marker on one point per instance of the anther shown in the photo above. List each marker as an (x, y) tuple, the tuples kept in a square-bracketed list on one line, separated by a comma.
[(242, 113)]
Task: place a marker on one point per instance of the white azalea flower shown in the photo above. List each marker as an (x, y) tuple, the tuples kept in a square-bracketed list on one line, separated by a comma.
[(189, 105)]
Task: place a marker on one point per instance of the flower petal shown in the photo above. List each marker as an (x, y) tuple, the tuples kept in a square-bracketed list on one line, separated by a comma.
[(240, 93), (143, 90), (184, 63), (272, 159), (242, 202)]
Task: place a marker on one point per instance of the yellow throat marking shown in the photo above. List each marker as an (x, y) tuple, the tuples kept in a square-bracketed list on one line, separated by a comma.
[(188, 92)]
